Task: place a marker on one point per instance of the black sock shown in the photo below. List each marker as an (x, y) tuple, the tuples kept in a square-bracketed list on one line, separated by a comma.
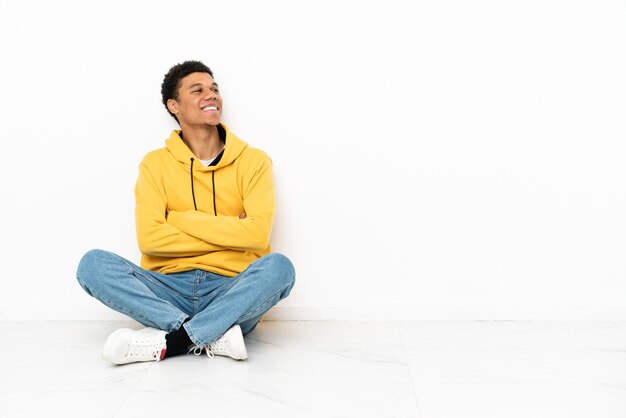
[(178, 341)]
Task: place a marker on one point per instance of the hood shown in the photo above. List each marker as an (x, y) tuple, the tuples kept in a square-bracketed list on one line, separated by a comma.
[(233, 148)]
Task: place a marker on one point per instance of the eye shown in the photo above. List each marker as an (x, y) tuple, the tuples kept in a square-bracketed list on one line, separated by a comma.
[(197, 91)]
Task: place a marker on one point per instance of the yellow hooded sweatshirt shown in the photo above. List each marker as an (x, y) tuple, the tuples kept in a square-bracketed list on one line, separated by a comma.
[(187, 215)]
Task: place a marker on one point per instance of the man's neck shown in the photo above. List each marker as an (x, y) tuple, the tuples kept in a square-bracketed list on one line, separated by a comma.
[(204, 142)]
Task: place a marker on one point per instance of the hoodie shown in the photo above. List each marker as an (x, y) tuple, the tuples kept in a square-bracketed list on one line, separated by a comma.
[(187, 215)]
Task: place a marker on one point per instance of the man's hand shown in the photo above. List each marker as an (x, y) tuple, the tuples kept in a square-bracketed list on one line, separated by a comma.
[(242, 216)]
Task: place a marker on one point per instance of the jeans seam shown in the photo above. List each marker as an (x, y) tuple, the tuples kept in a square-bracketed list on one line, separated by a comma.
[(128, 312), (181, 321), (132, 314), (156, 282), (192, 336), (256, 309), (254, 312)]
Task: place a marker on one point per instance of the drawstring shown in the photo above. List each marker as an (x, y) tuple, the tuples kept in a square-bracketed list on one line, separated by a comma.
[(193, 195), (213, 181)]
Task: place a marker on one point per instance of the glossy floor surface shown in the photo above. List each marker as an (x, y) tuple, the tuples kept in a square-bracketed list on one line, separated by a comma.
[(327, 369)]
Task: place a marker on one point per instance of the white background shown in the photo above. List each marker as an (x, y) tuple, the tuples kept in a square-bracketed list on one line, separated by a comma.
[(444, 160)]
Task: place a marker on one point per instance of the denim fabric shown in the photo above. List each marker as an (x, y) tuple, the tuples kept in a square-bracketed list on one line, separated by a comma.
[(164, 301)]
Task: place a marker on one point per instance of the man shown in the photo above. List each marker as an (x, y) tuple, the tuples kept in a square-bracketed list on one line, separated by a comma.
[(204, 214)]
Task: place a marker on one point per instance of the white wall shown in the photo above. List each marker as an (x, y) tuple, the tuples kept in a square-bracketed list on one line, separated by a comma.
[(433, 160)]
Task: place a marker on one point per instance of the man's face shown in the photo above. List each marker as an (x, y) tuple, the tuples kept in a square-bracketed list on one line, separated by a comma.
[(199, 102)]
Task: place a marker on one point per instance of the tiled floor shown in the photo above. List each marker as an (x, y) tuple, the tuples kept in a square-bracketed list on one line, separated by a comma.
[(327, 369)]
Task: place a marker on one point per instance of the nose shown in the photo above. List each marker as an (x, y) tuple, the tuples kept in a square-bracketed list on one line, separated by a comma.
[(210, 95)]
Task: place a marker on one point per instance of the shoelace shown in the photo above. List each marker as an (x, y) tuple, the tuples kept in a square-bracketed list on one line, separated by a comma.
[(145, 349), (215, 346), (195, 350), (218, 345)]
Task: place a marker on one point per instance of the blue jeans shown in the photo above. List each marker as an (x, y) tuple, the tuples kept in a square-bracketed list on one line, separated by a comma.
[(164, 301)]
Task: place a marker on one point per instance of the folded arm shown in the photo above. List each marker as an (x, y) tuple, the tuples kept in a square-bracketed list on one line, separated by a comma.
[(251, 232), (156, 237)]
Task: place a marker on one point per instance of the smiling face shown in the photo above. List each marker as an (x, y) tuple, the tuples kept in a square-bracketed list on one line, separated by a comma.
[(199, 102)]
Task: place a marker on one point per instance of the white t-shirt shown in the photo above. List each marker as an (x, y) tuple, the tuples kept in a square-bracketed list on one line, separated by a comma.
[(207, 163)]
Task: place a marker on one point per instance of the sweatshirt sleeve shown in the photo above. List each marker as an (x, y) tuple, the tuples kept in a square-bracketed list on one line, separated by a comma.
[(156, 237), (251, 233)]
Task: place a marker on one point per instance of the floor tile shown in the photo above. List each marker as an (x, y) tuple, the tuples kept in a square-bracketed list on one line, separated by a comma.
[(518, 369), (520, 400), (295, 369), (55, 369), (327, 369), (289, 399), (513, 334)]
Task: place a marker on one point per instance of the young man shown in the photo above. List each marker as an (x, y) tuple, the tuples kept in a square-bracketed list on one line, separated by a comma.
[(204, 214)]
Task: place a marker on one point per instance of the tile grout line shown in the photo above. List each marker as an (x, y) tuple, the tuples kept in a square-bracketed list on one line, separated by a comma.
[(406, 357)]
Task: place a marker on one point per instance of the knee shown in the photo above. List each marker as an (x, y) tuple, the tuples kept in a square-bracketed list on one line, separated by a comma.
[(89, 265), (282, 268)]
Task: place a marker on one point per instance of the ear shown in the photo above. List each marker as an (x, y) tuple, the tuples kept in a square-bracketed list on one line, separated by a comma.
[(172, 106)]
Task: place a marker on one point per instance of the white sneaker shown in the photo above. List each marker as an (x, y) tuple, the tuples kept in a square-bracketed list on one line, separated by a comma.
[(230, 345), (127, 345)]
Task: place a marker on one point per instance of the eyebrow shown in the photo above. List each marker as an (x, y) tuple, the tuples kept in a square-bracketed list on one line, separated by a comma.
[(200, 85)]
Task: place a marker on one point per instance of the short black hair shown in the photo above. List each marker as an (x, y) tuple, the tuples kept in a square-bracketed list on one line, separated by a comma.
[(171, 81)]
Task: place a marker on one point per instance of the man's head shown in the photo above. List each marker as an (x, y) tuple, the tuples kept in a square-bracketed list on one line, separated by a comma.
[(190, 94)]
